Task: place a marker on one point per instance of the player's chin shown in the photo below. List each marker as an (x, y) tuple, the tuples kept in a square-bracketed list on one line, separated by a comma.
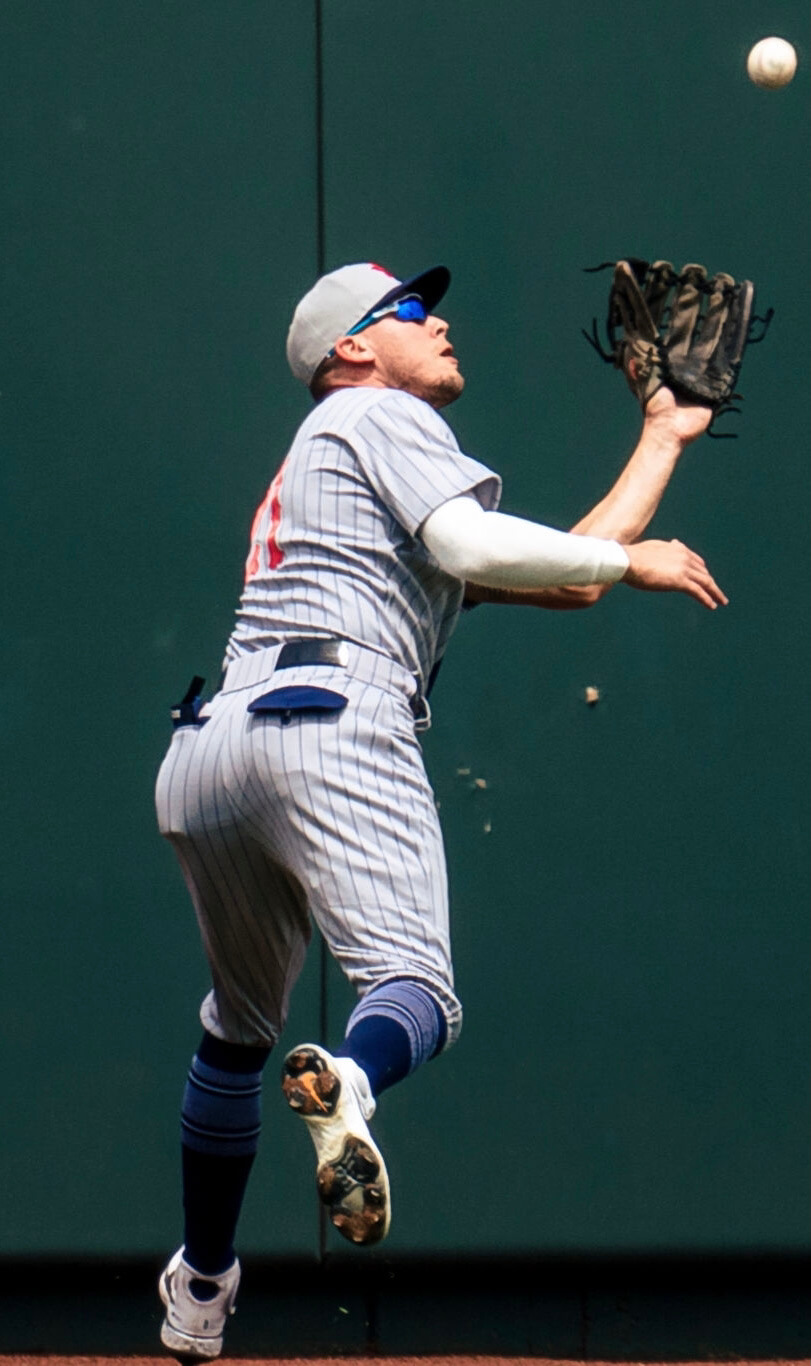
[(447, 387)]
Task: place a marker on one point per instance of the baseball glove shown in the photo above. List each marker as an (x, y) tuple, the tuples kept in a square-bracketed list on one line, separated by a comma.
[(687, 331)]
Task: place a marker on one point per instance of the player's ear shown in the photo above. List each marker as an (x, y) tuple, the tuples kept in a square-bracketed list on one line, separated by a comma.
[(355, 350)]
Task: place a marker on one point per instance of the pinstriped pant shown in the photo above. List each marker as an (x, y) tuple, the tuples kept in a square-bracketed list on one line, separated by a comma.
[(328, 816)]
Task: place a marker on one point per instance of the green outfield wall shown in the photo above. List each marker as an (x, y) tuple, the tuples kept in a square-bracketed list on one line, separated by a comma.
[(630, 878)]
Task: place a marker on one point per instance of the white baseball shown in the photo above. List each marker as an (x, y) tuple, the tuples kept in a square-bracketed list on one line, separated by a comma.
[(771, 63)]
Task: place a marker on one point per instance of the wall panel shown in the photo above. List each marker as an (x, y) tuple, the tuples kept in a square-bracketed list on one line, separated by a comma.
[(159, 216), (630, 887)]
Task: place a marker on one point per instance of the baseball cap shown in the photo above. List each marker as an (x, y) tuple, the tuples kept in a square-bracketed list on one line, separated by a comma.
[(341, 299)]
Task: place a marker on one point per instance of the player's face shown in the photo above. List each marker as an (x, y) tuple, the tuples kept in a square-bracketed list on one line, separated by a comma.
[(417, 357)]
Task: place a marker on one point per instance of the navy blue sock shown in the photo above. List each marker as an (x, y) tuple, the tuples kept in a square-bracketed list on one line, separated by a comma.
[(220, 1121), (393, 1030), (380, 1046)]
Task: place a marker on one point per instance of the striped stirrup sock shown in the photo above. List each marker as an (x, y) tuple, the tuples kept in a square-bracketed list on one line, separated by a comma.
[(220, 1125), (393, 1030)]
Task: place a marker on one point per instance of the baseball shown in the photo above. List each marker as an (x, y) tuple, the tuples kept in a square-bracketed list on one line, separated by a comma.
[(771, 63)]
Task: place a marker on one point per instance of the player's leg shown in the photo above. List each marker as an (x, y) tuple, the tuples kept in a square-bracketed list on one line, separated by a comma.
[(376, 870), (220, 1121), (254, 960), (395, 947)]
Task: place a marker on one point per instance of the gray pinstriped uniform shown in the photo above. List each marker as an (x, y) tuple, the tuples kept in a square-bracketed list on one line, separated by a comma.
[(279, 819)]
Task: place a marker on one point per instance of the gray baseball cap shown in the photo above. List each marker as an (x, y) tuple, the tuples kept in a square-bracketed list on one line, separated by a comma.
[(344, 298)]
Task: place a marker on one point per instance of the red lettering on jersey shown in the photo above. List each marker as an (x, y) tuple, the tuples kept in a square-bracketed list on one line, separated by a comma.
[(252, 563), (271, 503), (275, 555)]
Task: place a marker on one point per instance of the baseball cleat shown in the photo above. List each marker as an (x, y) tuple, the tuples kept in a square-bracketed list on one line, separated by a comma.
[(193, 1328), (334, 1099)]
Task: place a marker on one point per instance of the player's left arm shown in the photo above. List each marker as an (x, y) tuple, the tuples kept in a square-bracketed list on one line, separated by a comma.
[(626, 510)]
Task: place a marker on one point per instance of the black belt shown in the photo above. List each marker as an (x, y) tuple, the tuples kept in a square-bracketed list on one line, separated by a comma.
[(316, 650)]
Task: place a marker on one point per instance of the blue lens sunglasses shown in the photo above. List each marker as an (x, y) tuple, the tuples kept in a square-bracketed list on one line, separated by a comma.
[(408, 310)]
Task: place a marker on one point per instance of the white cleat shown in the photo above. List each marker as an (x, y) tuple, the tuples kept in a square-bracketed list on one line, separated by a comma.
[(193, 1328), (334, 1099)]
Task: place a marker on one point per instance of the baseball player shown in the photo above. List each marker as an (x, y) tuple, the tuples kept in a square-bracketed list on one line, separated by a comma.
[(298, 794)]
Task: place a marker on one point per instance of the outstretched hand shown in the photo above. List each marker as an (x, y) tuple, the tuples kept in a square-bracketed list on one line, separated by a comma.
[(671, 567)]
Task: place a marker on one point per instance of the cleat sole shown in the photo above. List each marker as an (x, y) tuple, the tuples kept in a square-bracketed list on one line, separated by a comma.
[(348, 1187), (308, 1087), (351, 1178)]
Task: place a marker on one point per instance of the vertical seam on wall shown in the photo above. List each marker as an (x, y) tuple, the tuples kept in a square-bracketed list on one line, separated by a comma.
[(320, 213), (320, 252)]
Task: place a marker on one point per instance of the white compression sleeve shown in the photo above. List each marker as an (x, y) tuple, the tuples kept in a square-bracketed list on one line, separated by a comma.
[(499, 551)]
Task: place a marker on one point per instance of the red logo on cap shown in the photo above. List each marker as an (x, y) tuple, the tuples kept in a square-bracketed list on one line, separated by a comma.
[(382, 270)]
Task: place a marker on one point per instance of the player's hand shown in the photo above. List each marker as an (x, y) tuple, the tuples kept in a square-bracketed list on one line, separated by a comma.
[(671, 567), (676, 417)]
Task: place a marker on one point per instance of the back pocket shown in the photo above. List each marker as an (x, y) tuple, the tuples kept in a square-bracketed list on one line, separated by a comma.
[(298, 698)]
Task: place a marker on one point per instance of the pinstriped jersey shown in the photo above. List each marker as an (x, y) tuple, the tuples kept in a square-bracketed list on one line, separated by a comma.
[(334, 545)]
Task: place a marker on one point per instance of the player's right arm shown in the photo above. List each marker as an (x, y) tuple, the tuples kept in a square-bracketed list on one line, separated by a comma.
[(513, 554)]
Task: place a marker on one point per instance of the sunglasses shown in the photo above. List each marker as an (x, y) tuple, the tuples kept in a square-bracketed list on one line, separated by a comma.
[(408, 310)]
